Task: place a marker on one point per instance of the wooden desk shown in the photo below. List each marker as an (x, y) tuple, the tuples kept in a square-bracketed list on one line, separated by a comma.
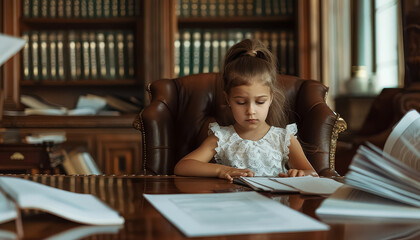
[(125, 194)]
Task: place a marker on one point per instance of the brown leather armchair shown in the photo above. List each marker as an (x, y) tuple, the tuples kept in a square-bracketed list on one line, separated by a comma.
[(176, 121)]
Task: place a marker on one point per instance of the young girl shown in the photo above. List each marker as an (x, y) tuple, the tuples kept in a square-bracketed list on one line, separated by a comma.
[(259, 143)]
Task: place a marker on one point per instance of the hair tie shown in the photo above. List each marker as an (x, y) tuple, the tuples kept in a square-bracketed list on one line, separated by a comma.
[(252, 53)]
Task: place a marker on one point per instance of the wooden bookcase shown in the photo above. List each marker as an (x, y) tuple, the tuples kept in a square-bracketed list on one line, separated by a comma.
[(210, 27), (111, 140)]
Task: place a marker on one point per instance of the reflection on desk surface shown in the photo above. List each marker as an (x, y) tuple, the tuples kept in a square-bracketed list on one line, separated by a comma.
[(125, 194)]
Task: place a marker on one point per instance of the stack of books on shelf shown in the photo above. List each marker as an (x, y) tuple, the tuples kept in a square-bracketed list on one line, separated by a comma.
[(234, 8), (80, 8), (89, 104), (75, 55), (203, 50)]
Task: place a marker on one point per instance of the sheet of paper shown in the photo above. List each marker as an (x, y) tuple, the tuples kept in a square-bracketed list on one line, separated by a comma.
[(230, 213), (311, 185), (267, 184), (9, 46)]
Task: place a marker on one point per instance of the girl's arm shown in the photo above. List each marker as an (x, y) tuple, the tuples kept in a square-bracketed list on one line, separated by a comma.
[(197, 163), (299, 164)]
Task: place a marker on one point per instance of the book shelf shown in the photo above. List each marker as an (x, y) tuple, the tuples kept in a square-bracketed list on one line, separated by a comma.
[(157, 28), (208, 28), (75, 48)]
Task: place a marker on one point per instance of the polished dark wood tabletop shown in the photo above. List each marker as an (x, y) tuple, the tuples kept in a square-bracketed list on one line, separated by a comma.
[(143, 221)]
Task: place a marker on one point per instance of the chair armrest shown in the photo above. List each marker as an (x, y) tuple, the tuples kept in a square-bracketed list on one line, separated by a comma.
[(318, 126), (158, 146)]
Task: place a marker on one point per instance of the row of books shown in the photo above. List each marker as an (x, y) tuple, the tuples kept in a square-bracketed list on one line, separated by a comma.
[(230, 8), (80, 8), (74, 55), (201, 51)]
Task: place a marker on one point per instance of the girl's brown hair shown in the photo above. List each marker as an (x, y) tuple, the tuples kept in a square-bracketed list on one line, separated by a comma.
[(249, 61)]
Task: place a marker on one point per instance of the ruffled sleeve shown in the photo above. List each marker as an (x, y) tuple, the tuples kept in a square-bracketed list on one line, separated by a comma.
[(214, 128), (288, 131), (291, 129)]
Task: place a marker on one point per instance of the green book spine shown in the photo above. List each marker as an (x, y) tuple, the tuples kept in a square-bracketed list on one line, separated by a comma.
[(83, 8), (68, 8), (130, 7), (85, 55), (120, 55), (53, 60), (43, 38), (258, 8), (35, 56), (231, 8), (76, 8), (215, 45), (106, 8), (114, 8), (283, 52), (72, 55), (177, 55), (52, 8), (60, 56), (110, 55), (91, 9), (79, 57), (187, 51), (212, 8), (35, 8), (196, 53), (181, 53), (206, 51), (276, 7), (130, 50), (291, 53), (249, 8), (99, 7), (240, 8), (283, 7), (27, 8), (26, 56), (221, 8), (274, 46), (60, 8), (44, 9), (93, 55), (100, 36)]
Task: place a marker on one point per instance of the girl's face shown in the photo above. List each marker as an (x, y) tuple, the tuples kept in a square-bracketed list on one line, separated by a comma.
[(250, 105)]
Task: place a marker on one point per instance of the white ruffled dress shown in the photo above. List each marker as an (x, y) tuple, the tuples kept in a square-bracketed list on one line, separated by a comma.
[(265, 157)]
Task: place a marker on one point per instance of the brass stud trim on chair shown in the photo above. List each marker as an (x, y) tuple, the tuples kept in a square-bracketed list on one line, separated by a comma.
[(340, 126), (143, 132)]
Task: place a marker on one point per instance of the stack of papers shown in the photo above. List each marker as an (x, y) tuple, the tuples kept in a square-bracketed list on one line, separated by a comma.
[(304, 185)]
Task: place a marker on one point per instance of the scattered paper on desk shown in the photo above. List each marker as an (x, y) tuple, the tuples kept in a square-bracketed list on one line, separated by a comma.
[(303, 185), (348, 203), (230, 213), (9, 46), (311, 185)]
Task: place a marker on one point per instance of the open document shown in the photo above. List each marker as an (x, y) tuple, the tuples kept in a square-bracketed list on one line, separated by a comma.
[(230, 213), (303, 185), (349, 203), (395, 172), (392, 174), (77, 207)]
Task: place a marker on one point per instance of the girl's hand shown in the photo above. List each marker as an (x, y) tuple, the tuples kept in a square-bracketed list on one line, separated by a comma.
[(231, 173), (298, 173)]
